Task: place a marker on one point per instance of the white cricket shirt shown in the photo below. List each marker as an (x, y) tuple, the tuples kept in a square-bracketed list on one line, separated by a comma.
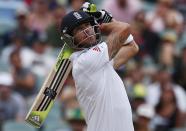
[(100, 91)]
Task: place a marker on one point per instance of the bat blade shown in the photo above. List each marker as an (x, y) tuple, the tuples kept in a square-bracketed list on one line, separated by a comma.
[(50, 89)]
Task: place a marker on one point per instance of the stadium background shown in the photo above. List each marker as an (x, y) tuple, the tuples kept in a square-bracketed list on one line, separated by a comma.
[(155, 79)]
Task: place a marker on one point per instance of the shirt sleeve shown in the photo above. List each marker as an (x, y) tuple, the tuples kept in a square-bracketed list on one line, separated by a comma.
[(95, 58)]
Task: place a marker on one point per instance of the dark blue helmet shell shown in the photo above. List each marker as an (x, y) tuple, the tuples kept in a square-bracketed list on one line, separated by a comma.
[(74, 19)]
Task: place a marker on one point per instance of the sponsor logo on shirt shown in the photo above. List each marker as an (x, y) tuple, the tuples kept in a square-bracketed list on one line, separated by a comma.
[(96, 49)]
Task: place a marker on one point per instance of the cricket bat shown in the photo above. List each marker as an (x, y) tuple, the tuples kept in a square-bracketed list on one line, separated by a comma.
[(50, 89)]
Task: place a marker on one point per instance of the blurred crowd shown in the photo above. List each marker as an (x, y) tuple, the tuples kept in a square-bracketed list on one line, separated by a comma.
[(155, 79)]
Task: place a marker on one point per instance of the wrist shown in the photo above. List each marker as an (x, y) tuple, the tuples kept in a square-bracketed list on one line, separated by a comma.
[(129, 39)]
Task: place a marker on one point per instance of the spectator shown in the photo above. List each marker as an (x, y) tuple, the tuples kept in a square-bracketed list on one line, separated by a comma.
[(156, 18), (167, 49), (174, 22), (12, 105), (168, 114), (139, 96), (159, 30), (180, 69), (135, 87), (75, 4), (24, 80), (28, 35), (17, 44), (71, 110), (155, 89), (180, 5), (145, 114), (181, 42), (152, 1), (28, 2), (40, 17), (137, 82), (53, 32), (122, 10), (148, 40), (41, 62)]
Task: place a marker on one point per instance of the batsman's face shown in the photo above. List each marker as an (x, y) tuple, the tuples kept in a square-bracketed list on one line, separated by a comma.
[(84, 35)]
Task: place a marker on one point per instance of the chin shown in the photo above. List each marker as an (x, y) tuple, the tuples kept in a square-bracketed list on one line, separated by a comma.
[(89, 42)]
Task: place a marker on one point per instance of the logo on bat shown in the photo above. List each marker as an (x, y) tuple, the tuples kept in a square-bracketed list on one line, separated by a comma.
[(36, 118)]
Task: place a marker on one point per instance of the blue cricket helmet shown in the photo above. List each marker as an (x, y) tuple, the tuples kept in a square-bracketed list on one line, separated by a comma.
[(74, 19)]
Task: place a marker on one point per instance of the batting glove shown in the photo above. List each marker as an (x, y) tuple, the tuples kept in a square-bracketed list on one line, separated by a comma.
[(101, 16)]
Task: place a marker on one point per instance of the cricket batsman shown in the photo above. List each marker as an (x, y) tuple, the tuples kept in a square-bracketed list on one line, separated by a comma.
[(100, 91)]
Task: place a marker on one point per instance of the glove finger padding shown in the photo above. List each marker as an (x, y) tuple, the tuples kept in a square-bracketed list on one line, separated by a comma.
[(101, 16), (88, 7)]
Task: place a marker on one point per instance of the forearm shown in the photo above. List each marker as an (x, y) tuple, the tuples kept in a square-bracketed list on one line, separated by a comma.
[(125, 53), (117, 33), (113, 27)]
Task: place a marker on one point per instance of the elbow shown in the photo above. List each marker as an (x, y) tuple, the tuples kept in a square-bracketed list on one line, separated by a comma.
[(126, 30), (126, 26)]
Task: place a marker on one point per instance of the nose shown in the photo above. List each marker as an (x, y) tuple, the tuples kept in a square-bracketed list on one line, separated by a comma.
[(88, 31)]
